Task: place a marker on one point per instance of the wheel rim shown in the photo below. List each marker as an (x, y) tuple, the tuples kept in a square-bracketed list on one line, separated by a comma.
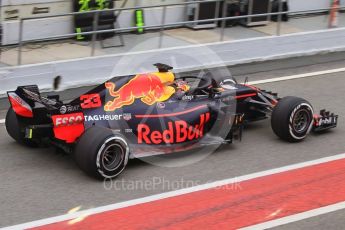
[(112, 156), (301, 121)]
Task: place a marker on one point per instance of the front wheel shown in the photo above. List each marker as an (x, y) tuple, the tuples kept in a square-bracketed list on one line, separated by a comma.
[(292, 119), (101, 153)]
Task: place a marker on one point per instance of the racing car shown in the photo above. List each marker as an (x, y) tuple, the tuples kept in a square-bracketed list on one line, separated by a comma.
[(154, 113)]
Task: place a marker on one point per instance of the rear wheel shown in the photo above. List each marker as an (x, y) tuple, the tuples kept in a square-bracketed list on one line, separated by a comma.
[(16, 129), (101, 153), (292, 119)]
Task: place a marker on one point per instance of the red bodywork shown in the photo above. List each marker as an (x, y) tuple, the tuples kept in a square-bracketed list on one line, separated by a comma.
[(68, 127)]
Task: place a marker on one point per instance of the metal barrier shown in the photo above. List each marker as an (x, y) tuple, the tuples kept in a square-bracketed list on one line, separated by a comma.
[(160, 26)]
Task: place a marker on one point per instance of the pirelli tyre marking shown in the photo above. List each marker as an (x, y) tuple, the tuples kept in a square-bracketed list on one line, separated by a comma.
[(308, 112), (101, 168)]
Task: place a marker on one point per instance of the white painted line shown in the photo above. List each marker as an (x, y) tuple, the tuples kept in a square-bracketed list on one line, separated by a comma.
[(298, 76), (4, 71), (147, 199), (2, 121), (297, 217)]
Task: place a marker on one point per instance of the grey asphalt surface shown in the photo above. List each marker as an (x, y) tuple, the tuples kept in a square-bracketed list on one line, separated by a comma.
[(40, 183), (254, 71)]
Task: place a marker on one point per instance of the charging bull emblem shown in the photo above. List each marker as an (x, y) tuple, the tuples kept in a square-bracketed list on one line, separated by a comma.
[(147, 87)]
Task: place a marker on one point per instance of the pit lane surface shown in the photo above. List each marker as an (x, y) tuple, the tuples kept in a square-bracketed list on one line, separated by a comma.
[(39, 183)]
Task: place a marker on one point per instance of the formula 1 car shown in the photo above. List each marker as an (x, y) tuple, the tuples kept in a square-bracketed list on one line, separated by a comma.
[(153, 113)]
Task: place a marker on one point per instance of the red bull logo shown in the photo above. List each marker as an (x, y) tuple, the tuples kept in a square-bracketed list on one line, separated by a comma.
[(176, 132), (146, 87)]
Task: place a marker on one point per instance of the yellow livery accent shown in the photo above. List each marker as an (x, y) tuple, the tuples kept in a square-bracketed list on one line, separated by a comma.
[(165, 77)]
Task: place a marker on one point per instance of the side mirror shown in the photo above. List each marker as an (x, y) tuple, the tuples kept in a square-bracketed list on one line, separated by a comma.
[(229, 94)]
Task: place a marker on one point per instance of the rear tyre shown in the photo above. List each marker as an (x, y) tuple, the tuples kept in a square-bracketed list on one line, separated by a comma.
[(101, 153), (15, 129), (292, 119)]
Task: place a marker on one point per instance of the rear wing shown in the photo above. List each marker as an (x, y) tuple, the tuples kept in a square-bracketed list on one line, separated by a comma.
[(25, 98), (65, 120)]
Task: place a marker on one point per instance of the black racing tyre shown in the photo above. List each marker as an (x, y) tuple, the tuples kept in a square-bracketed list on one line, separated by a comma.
[(15, 130), (101, 153), (292, 119)]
